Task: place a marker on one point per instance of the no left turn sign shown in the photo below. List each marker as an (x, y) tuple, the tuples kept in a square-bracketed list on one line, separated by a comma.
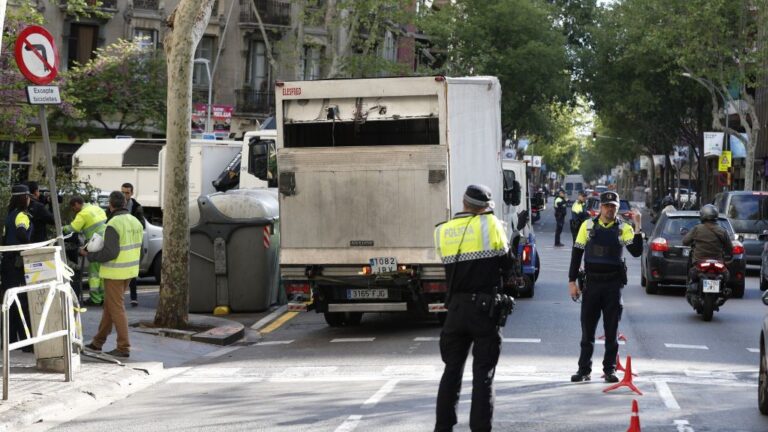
[(36, 55)]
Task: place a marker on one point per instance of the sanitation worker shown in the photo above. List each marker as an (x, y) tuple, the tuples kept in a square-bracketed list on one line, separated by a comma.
[(473, 247), (89, 220), (601, 243)]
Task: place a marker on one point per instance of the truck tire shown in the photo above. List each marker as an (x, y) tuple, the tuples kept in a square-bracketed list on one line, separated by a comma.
[(334, 319)]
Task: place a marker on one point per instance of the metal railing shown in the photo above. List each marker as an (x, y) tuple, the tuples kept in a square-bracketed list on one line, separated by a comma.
[(274, 12), (70, 333), (146, 4), (254, 101)]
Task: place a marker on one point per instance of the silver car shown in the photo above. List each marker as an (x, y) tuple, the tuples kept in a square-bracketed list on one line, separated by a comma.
[(151, 251), (762, 380)]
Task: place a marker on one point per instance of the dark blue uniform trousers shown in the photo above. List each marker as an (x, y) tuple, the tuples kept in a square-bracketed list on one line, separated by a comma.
[(600, 298), (466, 326)]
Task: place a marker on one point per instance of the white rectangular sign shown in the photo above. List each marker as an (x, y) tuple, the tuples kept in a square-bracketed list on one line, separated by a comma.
[(536, 161), (43, 95), (713, 143)]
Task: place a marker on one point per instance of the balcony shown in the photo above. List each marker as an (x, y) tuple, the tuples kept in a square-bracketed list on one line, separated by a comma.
[(146, 4), (254, 101), (272, 12)]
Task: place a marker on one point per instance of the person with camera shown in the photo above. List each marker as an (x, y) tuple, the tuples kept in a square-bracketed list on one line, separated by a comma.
[(474, 249), (41, 216), (601, 243)]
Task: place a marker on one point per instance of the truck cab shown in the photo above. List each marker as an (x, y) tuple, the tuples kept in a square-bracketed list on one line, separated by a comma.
[(517, 216)]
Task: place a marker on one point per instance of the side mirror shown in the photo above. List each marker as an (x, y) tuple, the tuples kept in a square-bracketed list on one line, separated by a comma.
[(512, 196), (258, 159)]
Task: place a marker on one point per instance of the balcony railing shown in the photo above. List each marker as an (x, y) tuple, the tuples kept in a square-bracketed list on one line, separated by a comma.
[(146, 4), (273, 12), (254, 101)]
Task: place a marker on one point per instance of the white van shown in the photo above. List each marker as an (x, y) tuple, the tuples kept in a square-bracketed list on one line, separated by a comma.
[(572, 184)]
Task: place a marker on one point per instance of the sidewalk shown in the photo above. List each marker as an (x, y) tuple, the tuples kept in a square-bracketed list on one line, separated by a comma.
[(34, 395)]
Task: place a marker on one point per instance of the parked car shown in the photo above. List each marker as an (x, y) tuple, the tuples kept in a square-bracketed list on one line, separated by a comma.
[(762, 378), (624, 212), (764, 262), (748, 213), (665, 262), (600, 189)]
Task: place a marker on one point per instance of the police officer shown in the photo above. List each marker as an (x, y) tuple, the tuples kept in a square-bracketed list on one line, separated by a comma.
[(89, 220), (561, 208), (41, 216), (578, 214), (601, 242), (473, 247), (18, 231)]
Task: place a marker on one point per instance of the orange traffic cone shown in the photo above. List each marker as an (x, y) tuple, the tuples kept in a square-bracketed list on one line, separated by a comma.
[(626, 381), (619, 367), (634, 421), (621, 337)]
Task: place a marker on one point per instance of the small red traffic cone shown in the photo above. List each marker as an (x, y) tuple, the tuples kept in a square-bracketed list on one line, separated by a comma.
[(619, 367), (622, 337), (626, 381), (634, 421)]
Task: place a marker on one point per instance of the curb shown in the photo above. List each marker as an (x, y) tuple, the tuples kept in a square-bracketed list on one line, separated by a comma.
[(222, 331), (269, 319)]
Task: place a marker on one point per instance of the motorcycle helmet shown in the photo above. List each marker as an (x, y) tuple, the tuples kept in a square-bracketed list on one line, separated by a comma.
[(667, 200), (708, 213), (95, 244)]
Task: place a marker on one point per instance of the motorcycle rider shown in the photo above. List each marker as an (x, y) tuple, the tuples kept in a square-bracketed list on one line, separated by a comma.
[(667, 205), (709, 241)]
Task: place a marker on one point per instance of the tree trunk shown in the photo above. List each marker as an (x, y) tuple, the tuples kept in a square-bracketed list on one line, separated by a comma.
[(187, 24)]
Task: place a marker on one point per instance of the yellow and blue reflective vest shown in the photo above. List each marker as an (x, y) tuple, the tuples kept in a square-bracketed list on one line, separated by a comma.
[(126, 265)]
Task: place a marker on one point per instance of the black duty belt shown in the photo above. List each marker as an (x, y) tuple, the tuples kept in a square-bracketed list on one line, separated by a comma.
[(603, 277)]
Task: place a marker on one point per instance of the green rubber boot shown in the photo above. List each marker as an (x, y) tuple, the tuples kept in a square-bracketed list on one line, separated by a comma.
[(95, 284)]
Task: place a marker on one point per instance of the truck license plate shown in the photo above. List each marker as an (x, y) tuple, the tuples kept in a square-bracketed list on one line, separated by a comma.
[(711, 286), (367, 294), (383, 265)]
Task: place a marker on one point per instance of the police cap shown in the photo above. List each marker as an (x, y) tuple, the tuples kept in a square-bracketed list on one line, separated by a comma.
[(609, 197), (479, 196), (19, 189)]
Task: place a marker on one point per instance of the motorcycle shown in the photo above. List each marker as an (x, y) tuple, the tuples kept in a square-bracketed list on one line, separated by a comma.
[(710, 290), (538, 204)]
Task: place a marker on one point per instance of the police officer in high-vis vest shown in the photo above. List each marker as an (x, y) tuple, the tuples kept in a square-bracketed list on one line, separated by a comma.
[(119, 258), (89, 220), (473, 247), (601, 242), (578, 214)]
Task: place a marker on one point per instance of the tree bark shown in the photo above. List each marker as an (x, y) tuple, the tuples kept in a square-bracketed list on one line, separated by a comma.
[(187, 24)]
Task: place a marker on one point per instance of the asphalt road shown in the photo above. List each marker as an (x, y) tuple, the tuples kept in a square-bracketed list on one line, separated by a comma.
[(383, 375)]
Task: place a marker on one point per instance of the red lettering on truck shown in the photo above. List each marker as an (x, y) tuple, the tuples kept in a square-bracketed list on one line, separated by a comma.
[(291, 91)]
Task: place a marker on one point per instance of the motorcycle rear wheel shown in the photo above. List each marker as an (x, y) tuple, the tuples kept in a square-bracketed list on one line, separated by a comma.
[(708, 310)]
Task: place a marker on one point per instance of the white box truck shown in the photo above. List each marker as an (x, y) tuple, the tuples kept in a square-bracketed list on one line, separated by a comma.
[(366, 169)]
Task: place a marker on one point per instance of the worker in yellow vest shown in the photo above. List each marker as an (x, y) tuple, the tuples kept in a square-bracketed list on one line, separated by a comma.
[(89, 220), (119, 258)]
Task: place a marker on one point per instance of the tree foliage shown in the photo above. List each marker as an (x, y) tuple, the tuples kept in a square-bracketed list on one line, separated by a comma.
[(515, 40), (122, 88)]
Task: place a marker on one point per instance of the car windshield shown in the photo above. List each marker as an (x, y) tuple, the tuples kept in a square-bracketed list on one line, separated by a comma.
[(748, 207), (675, 228)]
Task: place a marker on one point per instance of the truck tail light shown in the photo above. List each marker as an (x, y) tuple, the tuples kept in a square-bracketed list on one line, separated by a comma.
[(527, 253), (659, 244), (293, 288), (738, 248), (434, 287), (366, 271)]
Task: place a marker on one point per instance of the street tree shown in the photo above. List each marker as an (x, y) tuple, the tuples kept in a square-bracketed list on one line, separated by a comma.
[(716, 43), (122, 88), (514, 40), (186, 24)]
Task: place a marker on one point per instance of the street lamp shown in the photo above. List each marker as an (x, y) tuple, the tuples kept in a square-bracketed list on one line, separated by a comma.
[(207, 64)]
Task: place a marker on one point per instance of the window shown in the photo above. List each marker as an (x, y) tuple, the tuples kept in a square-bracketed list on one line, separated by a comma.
[(388, 49), (310, 63), (64, 153), (748, 207), (14, 157), (256, 67), (147, 38), (83, 41), (205, 51)]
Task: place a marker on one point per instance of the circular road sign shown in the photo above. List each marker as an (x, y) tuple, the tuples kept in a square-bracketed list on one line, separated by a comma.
[(36, 55)]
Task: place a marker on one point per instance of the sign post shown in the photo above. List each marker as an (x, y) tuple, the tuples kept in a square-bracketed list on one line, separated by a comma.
[(38, 60)]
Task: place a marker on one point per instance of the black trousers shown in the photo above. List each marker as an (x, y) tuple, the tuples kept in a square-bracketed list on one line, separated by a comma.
[(132, 286), (559, 228), (466, 326), (600, 298), (13, 277), (574, 229)]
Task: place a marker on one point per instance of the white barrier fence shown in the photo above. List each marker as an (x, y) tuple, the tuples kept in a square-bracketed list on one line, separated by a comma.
[(70, 316)]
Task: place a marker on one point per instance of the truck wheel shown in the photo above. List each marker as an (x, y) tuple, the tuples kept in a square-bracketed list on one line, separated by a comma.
[(334, 319), (538, 267), (353, 318), (157, 267)]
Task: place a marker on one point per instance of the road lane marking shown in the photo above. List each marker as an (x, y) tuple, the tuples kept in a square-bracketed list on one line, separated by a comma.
[(683, 426), (403, 371), (754, 350), (521, 340), (278, 322), (277, 342), (221, 352), (665, 393), (381, 394), (307, 371), (342, 340), (269, 318), (693, 373), (683, 346), (426, 339), (349, 424)]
